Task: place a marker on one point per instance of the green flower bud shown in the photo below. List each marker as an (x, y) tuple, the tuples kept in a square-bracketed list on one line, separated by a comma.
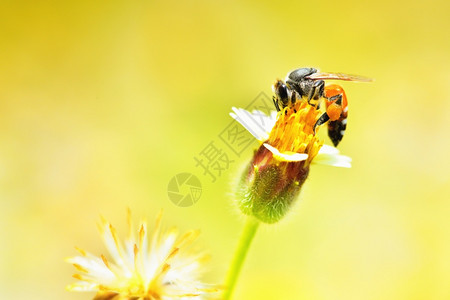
[(273, 179), (269, 187)]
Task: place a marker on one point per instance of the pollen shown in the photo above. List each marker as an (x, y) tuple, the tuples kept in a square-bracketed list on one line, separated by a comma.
[(334, 111), (294, 130)]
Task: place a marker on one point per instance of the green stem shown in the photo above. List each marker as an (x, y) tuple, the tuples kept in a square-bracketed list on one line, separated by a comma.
[(250, 227)]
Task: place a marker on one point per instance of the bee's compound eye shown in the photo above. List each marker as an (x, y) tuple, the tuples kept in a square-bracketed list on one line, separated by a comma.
[(282, 92)]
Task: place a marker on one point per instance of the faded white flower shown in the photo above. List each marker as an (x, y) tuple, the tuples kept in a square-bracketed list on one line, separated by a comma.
[(147, 266)]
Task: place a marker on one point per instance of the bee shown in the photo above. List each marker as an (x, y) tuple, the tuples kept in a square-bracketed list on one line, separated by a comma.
[(307, 84)]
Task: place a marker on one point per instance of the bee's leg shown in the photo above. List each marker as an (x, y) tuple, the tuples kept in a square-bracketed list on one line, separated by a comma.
[(335, 102), (322, 119), (317, 91), (336, 99), (321, 89), (275, 102)]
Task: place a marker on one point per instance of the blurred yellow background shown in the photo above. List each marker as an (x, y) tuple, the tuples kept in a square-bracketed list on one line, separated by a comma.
[(102, 102)]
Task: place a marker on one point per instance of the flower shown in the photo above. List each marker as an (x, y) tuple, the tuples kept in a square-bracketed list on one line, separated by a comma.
[(145, 266), (289, 145)]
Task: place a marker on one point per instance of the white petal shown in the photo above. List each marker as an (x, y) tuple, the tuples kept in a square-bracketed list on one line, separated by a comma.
[(335, 160), (325, 149), (95, 268), (256, 122), (83, 287), (286, 156)]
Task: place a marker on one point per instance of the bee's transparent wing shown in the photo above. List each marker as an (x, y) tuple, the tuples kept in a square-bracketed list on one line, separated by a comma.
[(338, 76)]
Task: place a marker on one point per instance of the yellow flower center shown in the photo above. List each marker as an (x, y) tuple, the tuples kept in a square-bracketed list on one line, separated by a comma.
[(294, 130)]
